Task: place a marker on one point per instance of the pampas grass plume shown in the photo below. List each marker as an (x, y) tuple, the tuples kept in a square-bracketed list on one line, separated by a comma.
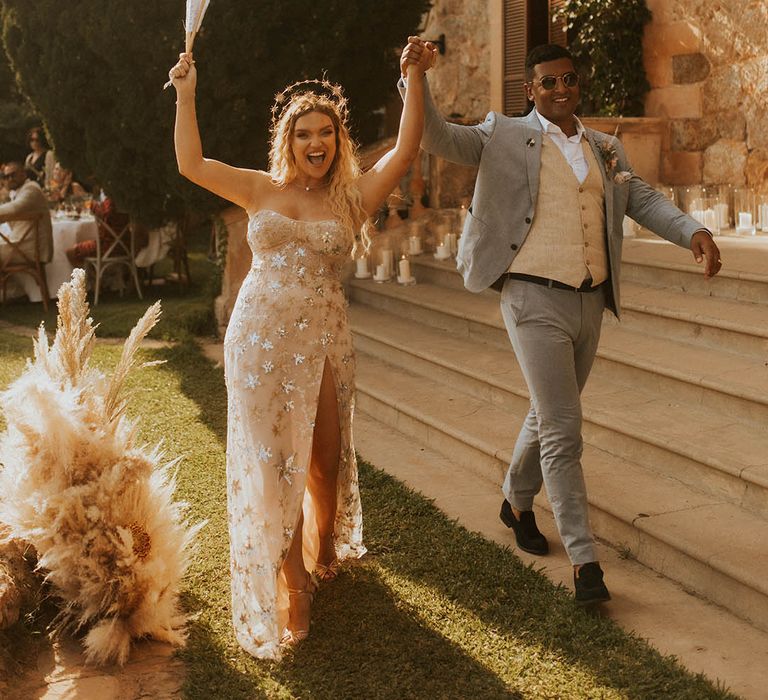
[(97, 506)]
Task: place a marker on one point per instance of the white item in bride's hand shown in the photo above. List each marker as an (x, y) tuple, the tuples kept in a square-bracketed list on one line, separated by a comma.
[(361, 269), (442, 252), (414, 245), (744, 223), (196, 10)]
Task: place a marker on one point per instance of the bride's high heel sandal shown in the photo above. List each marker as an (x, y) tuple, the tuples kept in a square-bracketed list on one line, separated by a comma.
[(293, 637), (327, 572)]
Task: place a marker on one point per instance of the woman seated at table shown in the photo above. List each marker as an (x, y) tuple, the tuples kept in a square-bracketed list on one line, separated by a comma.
[(103, 210), (41, 161), (63, 186)]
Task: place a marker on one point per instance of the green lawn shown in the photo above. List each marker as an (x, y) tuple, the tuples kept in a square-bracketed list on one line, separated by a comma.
[(434, 612), (186, 312)]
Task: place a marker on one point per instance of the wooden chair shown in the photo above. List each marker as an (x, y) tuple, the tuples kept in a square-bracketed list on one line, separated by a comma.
[(177, 252), (18, 261), (115, 246)]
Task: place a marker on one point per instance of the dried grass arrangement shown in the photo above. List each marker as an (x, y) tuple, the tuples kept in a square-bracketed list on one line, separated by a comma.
[(96, 504)]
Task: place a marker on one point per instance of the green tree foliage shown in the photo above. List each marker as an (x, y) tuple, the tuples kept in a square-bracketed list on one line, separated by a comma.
[(605, 37), (94, 69), (16, 115)]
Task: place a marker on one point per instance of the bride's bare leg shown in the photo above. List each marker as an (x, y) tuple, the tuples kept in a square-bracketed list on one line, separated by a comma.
[(324, 464), (297, 578)]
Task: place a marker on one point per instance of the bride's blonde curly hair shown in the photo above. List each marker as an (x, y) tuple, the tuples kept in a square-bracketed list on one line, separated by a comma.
[(343, 194)]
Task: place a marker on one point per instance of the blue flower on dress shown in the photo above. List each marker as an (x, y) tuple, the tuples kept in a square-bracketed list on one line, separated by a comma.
[(268, 366), (298, 359), (265, 453), (267, 345), (252, 381), (254, 338), (301, 252)]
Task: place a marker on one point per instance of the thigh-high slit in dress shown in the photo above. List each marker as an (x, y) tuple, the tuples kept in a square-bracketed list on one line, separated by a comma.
[(289, 318)]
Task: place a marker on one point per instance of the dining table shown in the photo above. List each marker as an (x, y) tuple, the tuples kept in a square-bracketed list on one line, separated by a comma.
[(67, 231)]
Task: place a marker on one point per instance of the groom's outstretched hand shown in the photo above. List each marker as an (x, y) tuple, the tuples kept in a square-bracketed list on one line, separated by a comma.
[(704, 248), (418, 53)]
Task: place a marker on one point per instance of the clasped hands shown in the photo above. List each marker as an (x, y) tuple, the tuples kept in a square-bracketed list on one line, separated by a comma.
[(418, 53)]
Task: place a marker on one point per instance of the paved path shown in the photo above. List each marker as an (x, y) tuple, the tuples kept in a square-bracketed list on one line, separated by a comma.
[(152, 673)]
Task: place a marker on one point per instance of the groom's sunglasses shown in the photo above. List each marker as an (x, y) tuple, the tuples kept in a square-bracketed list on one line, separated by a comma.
[(549, 82)]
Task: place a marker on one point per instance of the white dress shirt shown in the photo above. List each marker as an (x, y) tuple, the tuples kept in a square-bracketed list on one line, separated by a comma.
[(570, 146)]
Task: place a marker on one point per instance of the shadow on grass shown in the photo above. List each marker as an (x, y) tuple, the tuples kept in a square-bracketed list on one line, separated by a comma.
[(342, 658), (367, 643)]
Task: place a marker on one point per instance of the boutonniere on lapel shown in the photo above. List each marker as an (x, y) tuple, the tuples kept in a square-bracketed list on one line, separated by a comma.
[(610, 161)]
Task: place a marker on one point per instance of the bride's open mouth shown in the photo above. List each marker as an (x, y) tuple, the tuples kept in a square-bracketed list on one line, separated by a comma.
[(316, 158)]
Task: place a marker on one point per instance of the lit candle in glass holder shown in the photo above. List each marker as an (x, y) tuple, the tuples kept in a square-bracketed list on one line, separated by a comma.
[(404, 271), (744, 209), (385, 265), (762, 212), (362, 271), (414, 245), (703, 210)]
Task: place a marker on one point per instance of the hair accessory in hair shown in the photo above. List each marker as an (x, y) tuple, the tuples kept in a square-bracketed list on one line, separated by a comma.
[(324, 88)]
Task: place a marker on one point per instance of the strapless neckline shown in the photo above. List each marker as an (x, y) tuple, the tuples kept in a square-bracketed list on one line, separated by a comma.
[(289, 218)]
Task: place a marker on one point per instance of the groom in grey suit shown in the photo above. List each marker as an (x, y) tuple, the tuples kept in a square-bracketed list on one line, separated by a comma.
[(545, 227)]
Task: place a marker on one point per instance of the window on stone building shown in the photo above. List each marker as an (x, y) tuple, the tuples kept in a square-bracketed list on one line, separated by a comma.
[(527, 23)]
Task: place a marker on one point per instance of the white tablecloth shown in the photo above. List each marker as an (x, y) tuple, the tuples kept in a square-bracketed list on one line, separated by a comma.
[(66, 232)]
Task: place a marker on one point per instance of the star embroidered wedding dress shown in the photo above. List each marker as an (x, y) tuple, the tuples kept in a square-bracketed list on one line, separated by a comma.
[(290, 316)]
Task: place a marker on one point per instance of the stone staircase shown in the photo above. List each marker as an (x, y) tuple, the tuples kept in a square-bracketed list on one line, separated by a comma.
[(675, 411)]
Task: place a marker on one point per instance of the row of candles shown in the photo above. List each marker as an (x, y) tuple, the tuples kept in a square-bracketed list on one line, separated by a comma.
[(384, 270), (712, 206)]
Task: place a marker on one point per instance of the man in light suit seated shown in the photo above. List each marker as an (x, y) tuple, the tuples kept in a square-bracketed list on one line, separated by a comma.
[(28, 215), (545, 228)]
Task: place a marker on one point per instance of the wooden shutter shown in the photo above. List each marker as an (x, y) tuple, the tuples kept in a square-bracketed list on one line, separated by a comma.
[(557, 29), (515, 49)]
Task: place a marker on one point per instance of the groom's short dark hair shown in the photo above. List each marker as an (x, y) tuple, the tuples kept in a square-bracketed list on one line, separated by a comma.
[(543, 54)]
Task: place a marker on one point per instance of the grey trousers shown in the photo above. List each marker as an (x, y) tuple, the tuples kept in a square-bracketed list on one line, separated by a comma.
[(554, 333)]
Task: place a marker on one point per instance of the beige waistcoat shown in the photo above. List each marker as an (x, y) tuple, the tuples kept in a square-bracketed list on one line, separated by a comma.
[(566, 241)]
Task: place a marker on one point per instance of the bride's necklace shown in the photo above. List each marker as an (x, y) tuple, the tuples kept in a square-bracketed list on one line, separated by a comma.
[(307, 188)]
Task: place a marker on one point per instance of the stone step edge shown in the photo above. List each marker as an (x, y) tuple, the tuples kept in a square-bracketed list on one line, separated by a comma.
[(694, 269), (638, 363), (655, 309), (504, 456), (657, 264), (709, 322), (523, 393), (712, 623)]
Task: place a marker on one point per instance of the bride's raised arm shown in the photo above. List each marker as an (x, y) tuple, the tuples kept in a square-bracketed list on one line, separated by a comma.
[(238, 185), (383, 177)]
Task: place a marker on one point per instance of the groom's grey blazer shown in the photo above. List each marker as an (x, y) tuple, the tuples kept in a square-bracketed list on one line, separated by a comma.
[(508, 153)]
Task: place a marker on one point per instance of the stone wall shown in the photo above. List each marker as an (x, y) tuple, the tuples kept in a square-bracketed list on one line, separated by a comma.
[(461, 79), (707, 63)]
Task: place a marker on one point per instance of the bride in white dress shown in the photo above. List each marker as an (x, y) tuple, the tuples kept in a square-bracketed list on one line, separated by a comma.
[(293, 499)]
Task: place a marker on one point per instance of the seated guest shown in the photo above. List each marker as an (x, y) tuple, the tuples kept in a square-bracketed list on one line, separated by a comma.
[(41, 160), (62, 186), (103, 210), (26, 207)]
